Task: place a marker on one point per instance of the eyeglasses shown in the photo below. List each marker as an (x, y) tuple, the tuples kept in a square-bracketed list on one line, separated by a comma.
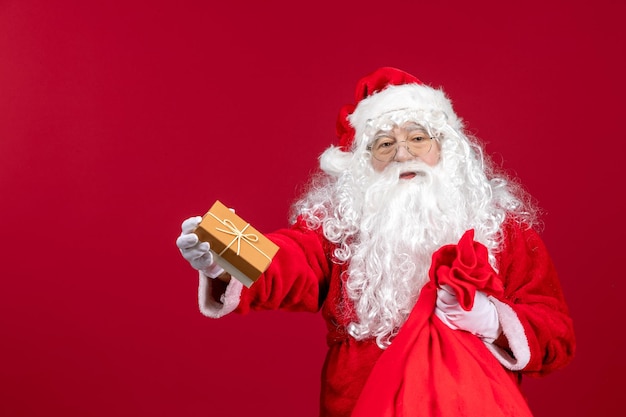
[(385, 148)]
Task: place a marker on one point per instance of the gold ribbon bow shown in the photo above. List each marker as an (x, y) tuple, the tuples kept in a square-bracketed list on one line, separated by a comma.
[(250, 238)]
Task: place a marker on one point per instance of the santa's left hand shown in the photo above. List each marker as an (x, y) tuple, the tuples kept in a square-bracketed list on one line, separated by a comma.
[(481, 320)]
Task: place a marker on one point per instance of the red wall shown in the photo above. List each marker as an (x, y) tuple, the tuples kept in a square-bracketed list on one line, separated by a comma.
[(120, 120)]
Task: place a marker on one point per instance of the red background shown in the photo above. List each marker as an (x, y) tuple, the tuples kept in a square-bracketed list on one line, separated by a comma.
[(119, 120)]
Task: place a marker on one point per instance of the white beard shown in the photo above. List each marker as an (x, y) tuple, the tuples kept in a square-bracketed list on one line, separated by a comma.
[(387, 229), (403, 222)]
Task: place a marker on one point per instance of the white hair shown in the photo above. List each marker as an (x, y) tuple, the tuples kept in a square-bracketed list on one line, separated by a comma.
[(387, 229)]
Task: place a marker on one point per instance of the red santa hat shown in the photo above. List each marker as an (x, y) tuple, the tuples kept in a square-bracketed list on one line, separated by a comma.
[(386, 90)]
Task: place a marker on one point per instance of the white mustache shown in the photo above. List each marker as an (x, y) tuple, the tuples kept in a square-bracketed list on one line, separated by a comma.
[(409, 166)]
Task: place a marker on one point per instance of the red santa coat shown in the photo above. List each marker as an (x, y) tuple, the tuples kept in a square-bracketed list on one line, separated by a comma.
[(537, 336)]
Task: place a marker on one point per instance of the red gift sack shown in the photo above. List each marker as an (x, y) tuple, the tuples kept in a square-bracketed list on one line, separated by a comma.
[(430, 370)]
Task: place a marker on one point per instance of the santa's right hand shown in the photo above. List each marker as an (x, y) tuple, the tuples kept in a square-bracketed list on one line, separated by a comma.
[(197, 253)]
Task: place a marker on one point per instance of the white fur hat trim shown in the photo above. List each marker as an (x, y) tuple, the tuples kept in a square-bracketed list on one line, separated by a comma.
[(413, 97)]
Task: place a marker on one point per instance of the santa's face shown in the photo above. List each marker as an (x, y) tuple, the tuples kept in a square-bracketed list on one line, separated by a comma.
[(404, 143)]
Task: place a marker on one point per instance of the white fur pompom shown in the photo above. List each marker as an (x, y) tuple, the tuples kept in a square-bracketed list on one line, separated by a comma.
[(334, 161)]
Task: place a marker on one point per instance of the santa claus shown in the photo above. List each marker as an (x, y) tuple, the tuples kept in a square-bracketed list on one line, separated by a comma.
[(366, 242)]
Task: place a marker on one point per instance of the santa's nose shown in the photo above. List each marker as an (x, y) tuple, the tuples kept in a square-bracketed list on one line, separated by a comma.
[(402, 153)]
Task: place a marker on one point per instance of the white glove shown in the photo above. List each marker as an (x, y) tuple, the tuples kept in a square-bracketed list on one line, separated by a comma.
[(196, 252), (481, 320)]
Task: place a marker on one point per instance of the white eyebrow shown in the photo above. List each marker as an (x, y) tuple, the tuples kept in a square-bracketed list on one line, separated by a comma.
[(411, 126), (383, 133)]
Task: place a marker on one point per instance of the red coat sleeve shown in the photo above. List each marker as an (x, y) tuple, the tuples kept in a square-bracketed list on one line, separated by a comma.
[(533, 291), (298, 277)]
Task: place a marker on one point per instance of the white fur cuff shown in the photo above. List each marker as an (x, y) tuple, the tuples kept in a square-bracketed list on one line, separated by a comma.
[(514, 332), (227, 303)]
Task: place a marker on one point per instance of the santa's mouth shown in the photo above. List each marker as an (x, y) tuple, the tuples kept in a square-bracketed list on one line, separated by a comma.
[(409, 175)]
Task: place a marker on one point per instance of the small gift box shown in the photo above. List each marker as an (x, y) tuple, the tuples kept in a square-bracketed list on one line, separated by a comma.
[(241, 250)]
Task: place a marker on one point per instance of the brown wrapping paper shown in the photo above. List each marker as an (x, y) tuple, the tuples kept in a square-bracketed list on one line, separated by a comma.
[(237, 247)]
